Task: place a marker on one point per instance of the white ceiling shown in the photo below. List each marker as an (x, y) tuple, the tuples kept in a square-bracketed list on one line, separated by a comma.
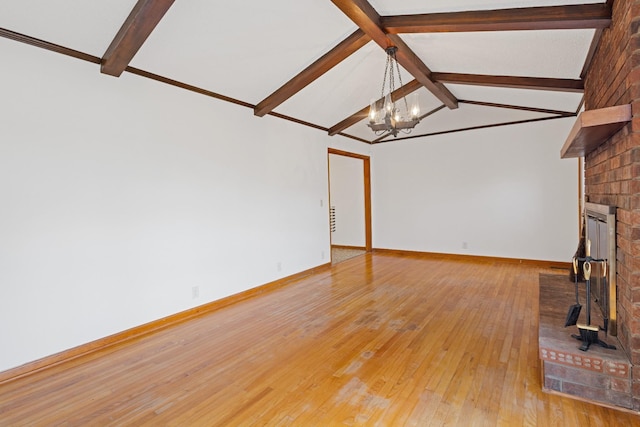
[(550, 53), (405, 7), (248, 49), (86, 26)]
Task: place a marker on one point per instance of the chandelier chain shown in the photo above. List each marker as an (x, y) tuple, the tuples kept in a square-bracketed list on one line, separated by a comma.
[(384, 79), (404, 98), (392, 78)]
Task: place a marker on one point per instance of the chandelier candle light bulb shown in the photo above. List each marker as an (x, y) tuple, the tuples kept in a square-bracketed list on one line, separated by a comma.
[(415, 107), (388, 104), (373, 111)]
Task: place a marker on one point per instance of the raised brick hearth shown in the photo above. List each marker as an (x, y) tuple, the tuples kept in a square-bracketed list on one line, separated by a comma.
[(612, 171), (599, 374)]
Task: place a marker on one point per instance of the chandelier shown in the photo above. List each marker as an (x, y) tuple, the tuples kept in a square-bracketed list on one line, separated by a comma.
[(385, 114)]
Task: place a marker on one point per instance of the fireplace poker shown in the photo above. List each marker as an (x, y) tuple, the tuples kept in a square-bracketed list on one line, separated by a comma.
[(589, 333), (574, 310), (606, 298), (587, 277)]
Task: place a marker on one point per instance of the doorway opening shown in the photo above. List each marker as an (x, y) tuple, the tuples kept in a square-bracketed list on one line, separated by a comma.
[(350, 204)]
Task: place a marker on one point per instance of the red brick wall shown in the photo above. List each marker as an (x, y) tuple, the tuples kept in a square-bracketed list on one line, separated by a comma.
[(612, 172), (606, 80)]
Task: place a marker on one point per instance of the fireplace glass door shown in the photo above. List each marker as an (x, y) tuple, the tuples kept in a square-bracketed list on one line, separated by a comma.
[(600, 222)]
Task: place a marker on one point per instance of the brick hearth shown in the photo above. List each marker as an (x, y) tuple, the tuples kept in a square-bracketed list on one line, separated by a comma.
[(599, 374)]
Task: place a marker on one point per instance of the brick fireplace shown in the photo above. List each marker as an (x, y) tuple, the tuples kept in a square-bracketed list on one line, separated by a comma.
[(612, 171)]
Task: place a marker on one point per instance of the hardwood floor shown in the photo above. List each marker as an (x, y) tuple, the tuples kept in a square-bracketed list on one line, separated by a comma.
[(380, 340)]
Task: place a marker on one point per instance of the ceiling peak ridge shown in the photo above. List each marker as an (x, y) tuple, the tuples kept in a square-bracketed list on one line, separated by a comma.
[(368, 20)]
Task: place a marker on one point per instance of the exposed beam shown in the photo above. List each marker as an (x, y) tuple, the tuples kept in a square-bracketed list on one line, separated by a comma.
[(432, 112), (519, 107), (349, 121), (368, 20), (332, 58), (314, 126), (144, 17), (52, 47), (580, 105), (444, 132), (539, 83), (365, 17), (405, 90), (528, 18), (595, 42), (355, 138), (185, 86)]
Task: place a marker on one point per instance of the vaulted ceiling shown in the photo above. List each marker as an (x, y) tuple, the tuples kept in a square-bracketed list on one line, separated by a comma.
[(319, 63)]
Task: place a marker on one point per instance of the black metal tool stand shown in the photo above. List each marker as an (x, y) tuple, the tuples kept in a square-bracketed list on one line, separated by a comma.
[(589, 333)]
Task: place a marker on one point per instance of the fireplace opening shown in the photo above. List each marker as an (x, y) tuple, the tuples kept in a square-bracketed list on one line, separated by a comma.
[(600, 222)]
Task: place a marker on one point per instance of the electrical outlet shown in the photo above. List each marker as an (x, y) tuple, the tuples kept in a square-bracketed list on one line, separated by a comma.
[(279, 266), (322, 255), (465, 245), (195, 292), (321, 203)]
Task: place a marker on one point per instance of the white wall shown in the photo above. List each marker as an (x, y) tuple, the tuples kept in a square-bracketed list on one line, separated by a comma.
[(118, 196), (504, 191), (346, 179)]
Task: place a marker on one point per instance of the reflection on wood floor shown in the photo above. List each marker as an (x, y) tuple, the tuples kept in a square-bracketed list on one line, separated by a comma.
[(378, 340)]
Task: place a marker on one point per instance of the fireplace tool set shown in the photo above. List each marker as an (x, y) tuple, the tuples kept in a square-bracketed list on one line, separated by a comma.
[(588, 333)]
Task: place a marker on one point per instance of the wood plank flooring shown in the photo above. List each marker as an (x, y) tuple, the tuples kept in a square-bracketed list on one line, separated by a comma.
[(378, 340)]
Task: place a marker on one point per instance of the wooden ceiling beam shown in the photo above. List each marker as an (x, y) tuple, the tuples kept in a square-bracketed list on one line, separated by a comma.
[(52, 47), (519, 108), (540, 83), (397, 94), (368, 20), (332, 58), (529, 18), (444, 132), (144, 17), (595, 42)]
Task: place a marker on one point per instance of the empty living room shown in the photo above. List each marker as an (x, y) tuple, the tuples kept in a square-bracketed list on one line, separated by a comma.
[(318, 213)]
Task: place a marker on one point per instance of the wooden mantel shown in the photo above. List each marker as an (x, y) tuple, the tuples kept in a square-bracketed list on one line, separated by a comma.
[(594, 127)]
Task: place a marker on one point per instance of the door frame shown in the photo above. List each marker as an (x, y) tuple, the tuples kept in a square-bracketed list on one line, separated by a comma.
[(367, 190)]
